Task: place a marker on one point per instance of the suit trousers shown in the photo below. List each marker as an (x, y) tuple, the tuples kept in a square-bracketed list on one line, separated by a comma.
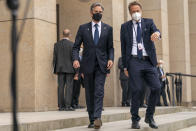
[(126, 92), (76, 90), (163, 94), (65, 92), (94, 91), (143, 94), (140, 70)]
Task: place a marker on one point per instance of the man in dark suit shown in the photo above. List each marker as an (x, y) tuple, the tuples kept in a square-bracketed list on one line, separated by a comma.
[(139, 61), (162, 79), (97, 60), (124, 81), (62, 62)]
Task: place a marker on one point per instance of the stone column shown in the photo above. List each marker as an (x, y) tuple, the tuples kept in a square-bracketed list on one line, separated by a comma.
[(179, 43), (117, 17), (37, 89), (192, 27)]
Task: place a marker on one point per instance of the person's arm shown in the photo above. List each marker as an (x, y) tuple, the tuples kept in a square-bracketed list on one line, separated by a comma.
[(123, 50), (120, 65), (76, 48), (123, 46), (155, 33), (110, 49)]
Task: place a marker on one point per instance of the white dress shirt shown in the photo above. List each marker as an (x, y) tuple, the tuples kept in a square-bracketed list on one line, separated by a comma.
[(93, 28), (134, 47)]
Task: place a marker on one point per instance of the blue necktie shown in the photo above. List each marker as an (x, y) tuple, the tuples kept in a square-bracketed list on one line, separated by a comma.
[(139, 39), (96, 35)]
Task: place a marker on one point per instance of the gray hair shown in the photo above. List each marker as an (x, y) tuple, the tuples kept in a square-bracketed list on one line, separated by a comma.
[(95, 5)]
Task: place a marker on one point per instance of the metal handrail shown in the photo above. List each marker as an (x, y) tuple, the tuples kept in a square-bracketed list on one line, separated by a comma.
[(177, 81)]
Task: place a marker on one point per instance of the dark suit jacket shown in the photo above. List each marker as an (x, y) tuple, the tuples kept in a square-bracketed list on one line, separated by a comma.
[(120, 66), (126, 34), (102, 52), (62, 57)]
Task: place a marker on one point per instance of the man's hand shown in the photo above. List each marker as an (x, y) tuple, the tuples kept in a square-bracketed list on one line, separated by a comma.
[(155, 36), (76, 64), (76, 77), (126, 73), (110, 64), (82, 75)]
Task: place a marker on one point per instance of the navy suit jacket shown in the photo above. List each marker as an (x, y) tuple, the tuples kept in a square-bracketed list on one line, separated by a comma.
[(101, 53), (126, 34)]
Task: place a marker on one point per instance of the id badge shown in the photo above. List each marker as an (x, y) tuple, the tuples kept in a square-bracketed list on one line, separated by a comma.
[(140, 46)]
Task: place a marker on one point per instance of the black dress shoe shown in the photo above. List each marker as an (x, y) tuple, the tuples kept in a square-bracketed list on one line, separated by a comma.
[(80, 107), (61, 109), (69, 109), (123, 105), (159, 104), (151, 123), (77, 107), (91, 125), (127, 104), (135, 125), (143, 106), (97, 123)]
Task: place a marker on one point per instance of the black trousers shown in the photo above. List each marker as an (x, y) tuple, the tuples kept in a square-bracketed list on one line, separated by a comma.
[(145, 94), (163, 94), (140, 70), (76, 90), (126, 91), (65, 92), (94, 91)]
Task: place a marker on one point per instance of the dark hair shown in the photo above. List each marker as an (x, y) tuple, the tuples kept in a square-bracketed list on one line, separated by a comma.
[(134, 3), (96, 4)]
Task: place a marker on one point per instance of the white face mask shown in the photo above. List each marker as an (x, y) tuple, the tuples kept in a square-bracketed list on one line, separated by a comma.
[(136, 16)]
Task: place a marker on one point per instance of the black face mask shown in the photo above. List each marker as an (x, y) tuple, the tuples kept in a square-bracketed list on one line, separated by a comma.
[(97, 16)]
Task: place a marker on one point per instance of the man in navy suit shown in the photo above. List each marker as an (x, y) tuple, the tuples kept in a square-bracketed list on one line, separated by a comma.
[(139, 61), (97, 60)]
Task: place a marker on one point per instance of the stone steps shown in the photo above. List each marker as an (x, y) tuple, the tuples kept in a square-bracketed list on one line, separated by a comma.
[(191, 128), (51, 120), (166, 122)]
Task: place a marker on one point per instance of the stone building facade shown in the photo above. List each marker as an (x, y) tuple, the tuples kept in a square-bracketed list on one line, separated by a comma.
[(37, 85)]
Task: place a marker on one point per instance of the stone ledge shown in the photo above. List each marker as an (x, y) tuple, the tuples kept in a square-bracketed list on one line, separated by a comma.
[(51, 120)]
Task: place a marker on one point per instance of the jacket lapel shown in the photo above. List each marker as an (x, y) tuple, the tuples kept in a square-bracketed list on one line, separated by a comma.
[(143, 27), (130, 31), (103, 28), (143, 24), (90, 31)]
